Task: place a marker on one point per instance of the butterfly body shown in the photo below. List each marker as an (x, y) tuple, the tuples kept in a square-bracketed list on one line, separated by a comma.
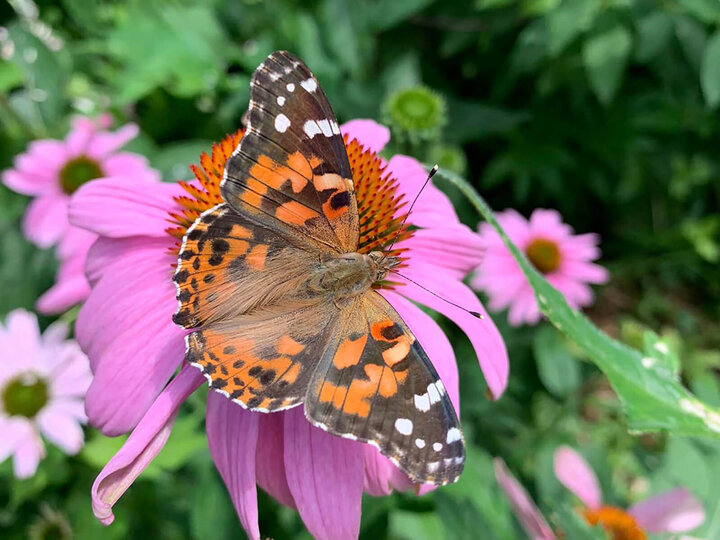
[(279, 294)]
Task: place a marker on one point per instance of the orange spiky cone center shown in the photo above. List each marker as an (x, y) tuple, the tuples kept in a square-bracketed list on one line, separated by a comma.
[(379, 203), (617, 523)]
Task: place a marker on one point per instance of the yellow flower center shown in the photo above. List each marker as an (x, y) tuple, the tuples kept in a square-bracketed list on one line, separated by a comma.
[(379, 204), (78, 171), (544, 255), (617, 523)]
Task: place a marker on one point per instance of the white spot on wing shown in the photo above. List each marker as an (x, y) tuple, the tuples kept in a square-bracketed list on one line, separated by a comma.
[(437, 446), (274, 76), (419, 443), (433, 466), (453, 435), (404, 426), (335, 127), (311, 128), (282, 122), (325, 127), (281, 100), (422, 403), (290, 87), (433, 393), (309, 84)]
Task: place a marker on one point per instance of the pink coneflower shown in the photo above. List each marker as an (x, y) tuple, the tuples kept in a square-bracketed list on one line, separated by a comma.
[(51, 171), (676, 511), (43, 379), (552, 248), (126, 327)]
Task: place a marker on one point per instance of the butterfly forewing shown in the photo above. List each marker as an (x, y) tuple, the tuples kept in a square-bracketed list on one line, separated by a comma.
[(376, 384), (291, 165)]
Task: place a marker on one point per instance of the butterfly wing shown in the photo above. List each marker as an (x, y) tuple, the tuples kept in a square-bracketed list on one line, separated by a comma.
[(376, 384), (291, 166)]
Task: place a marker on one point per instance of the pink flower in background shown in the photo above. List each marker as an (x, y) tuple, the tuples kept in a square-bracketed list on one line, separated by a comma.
[(550, 245), (50, 172), (43, 379), (522, 505), (676, 511), (134, 348)]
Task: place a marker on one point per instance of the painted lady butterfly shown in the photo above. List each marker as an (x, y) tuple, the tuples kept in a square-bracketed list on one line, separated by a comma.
[(281, 303)]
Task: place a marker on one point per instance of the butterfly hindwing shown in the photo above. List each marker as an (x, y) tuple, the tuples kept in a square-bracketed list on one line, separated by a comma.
[(376, 384), (291, 166)]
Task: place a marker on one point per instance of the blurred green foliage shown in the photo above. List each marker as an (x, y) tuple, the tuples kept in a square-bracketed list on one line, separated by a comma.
[(603, 109)]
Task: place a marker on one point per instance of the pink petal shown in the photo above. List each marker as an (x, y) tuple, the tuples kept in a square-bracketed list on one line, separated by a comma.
[(62, 429), (31, 184), (144, 443), (232, 436), (24, 338), (483, 334), (269, 458), (575, 474), (673, 512), (524, 308), (113, 255), (456, 249), (584, 271), (523, 507), (126, 329), (325, 475), (55, 334), (381, 476), (130, 165), (105, 142), (120, 207), (28, 453), (66, 293), (46, 219), (549, 224), (14, 430), (83, 129), (370, 134)]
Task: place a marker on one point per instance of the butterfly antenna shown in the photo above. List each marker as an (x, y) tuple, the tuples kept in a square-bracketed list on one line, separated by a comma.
[(400, 229), (473, 313)]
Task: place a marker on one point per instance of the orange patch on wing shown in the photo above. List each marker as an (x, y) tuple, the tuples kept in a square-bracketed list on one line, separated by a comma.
[(294, 213), (257, 256), (251, 198), (387, 387), (238, 231), (359, 395), (329, 393), (379, 327), (287, 345), (397, 353), (349, 352), (299, 162), (256, 186), (329, 181), (273, 174), (333, 213), (291, 374)]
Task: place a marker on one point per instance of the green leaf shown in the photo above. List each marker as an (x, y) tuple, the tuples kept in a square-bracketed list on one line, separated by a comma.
[(383, 14), (710, 71), (45, 72), (558, 369), (415, 526), (577, 528), (659, 356), (693, 38), (461, 519), (653, 399), (654, 33), (473, 120), (179, 46), (605, 56), (568, 20), (173, 160)]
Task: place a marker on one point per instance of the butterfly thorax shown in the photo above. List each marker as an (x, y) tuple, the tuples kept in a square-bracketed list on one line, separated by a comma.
[(350, 274)]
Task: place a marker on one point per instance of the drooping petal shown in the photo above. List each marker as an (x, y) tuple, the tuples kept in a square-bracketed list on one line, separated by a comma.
[(83, 129), (575, 474), (523, 507), (270, 458), (126, 329), (232, 436), (144, 443), (104, 143), (676, 511), (483, 334), (325, 476), (381, 476), (46, 220), (121, 207), (370, 134)]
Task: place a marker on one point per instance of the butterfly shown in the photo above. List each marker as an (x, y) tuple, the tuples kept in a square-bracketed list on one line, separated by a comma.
[(281, 305)]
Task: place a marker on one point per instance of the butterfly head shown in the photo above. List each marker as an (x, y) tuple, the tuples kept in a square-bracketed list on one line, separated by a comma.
[(381, 263)]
